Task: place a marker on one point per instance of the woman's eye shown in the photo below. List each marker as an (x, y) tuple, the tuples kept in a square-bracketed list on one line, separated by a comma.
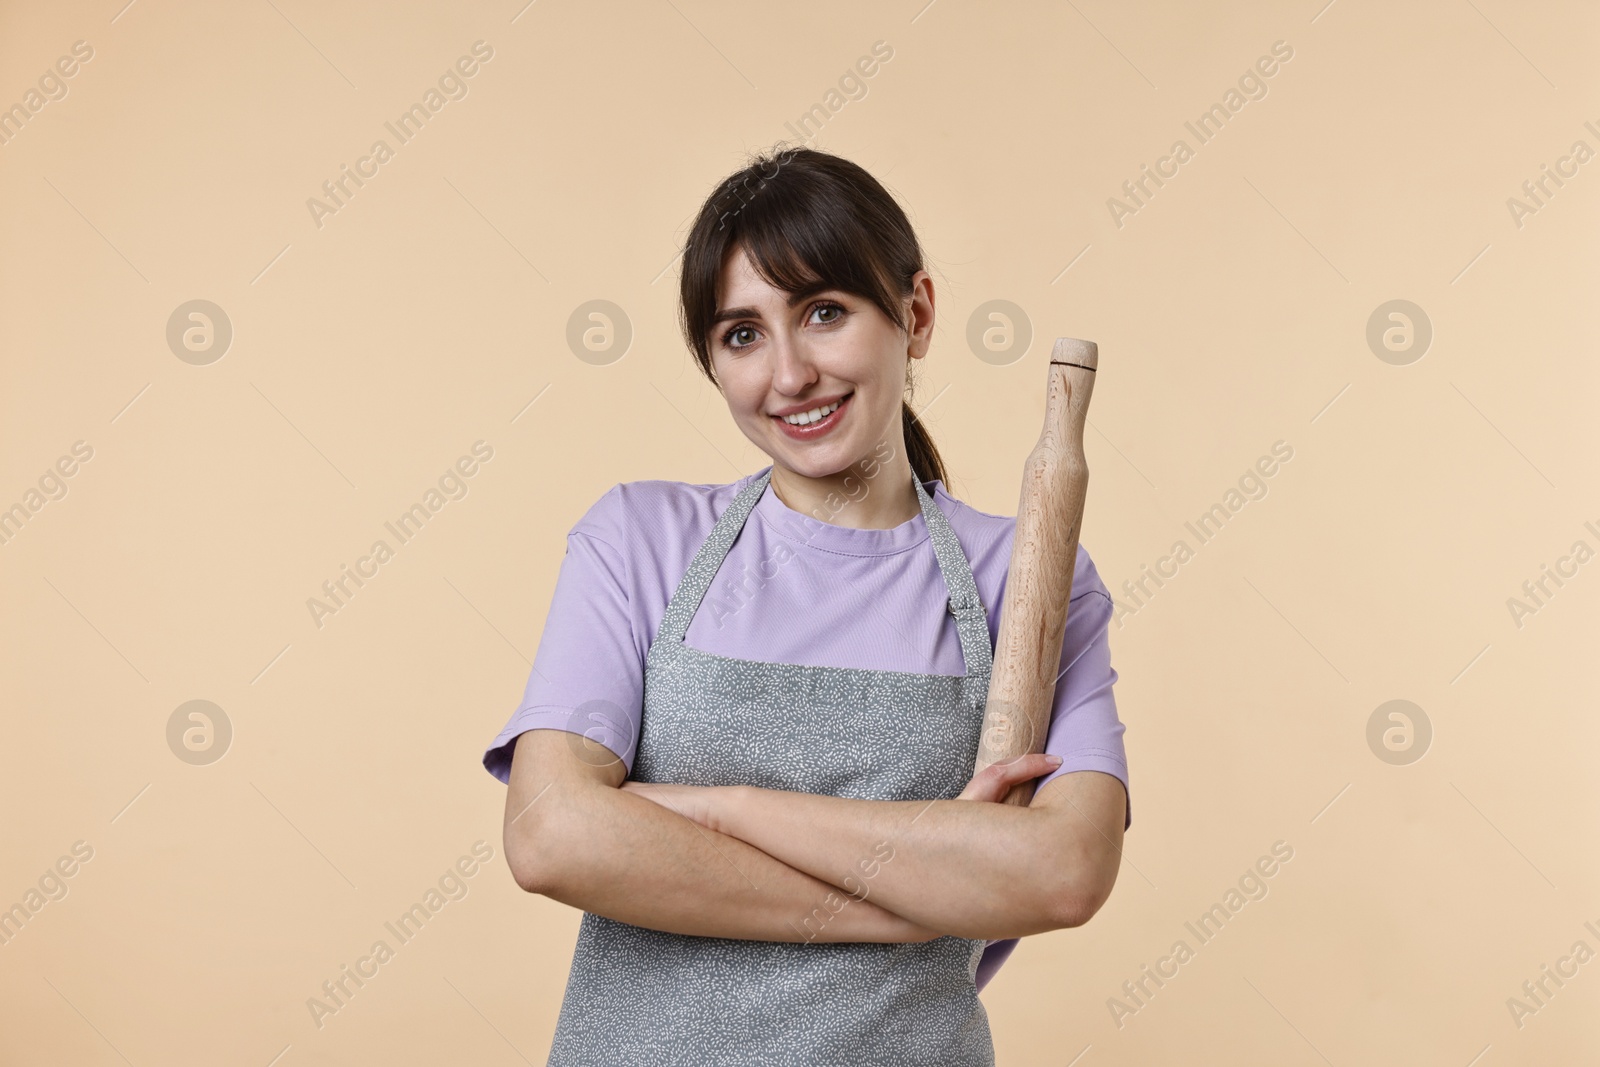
[(744, 336)]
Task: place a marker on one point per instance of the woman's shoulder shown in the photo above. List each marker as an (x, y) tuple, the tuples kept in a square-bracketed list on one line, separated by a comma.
[(649, 510), (979, 531), (953, 506), (987, 539)]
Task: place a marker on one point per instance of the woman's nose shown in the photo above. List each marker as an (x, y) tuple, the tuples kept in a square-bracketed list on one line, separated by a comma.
[(792, 369)]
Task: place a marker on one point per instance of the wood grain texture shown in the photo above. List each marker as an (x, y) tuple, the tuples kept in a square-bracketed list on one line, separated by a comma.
[(1033, 617)]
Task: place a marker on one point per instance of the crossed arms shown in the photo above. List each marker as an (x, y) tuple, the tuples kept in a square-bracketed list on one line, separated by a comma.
[(772, 865)]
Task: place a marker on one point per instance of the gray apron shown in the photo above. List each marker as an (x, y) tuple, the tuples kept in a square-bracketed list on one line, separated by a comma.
[(639, 997)]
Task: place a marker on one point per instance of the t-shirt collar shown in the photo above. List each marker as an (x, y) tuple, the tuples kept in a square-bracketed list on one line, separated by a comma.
[(816, 532)]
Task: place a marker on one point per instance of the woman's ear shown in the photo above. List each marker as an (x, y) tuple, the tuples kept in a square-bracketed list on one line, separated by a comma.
[(920, 315)]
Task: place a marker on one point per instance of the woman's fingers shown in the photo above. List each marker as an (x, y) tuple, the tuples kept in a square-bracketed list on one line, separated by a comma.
[(996, 780), (1003, 776)]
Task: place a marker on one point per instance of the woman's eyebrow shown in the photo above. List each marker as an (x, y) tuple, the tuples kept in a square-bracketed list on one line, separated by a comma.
[(751, 313)]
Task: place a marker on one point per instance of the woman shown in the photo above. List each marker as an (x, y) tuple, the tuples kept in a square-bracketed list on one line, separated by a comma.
[(745, 745)]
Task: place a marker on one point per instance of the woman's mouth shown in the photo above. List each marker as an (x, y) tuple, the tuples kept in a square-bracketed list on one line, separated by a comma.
[(809, 425)]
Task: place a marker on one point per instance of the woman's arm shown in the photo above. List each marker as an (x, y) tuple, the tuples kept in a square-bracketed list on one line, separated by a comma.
[(572, 835), (973, 870)]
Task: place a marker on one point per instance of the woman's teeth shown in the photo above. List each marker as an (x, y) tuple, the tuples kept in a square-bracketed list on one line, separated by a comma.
[(805, 418)]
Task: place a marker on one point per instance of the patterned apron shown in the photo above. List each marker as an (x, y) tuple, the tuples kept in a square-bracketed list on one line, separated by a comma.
[(639, 997)]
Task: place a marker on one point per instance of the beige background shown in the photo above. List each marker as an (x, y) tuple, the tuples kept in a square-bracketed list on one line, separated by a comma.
[(431, 310)]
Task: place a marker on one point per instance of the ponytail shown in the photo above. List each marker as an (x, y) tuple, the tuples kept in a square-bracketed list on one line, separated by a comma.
[(920, 449)]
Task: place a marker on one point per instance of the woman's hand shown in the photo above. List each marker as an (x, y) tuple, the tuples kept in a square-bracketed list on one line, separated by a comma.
[(996, 780)]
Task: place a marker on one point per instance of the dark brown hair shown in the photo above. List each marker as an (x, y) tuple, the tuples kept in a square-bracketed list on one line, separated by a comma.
[(804, 216)]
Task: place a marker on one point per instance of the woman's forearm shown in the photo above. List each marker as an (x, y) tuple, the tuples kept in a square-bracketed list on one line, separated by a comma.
[(618, 855), (968, 869)]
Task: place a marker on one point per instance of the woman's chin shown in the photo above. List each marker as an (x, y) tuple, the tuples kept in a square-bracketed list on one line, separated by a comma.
[(808, 465), (820, 462)]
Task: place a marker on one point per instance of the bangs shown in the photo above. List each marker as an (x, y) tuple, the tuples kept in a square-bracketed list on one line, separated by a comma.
[(793, 251), (804, 219)]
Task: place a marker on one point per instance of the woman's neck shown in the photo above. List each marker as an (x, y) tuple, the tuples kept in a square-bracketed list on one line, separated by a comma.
[(872, 494)]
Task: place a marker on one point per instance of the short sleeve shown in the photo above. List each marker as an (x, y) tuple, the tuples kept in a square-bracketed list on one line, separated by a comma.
[(588, 675), (1084, 729)]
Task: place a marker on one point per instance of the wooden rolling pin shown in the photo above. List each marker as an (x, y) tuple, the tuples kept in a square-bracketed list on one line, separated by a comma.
[(1033, 616)]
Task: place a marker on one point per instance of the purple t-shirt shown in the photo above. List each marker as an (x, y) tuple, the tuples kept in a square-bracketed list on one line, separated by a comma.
[(792, 589)]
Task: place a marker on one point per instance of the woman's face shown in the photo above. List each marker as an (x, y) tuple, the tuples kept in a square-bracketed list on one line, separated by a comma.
[(776, 358)]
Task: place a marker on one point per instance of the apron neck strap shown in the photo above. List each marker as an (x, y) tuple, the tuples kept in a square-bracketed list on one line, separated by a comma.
[(971, 620)]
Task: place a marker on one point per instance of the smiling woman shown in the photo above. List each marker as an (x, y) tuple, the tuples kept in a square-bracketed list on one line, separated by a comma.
[(795, 864), (785, 333)]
